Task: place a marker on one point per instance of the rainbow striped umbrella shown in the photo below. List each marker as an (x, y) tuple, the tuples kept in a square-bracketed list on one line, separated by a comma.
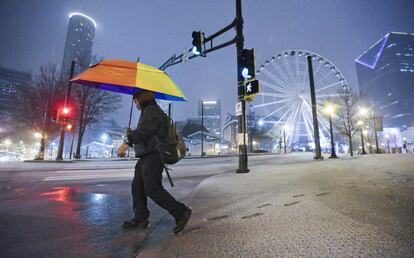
[(130, 77)]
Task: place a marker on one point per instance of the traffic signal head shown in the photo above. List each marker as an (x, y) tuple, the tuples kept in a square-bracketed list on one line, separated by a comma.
[(65, 111), (55, 116), (247, 63), (198, 42)]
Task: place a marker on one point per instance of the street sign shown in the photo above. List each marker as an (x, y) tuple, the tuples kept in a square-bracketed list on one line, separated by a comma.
[(238, 109)]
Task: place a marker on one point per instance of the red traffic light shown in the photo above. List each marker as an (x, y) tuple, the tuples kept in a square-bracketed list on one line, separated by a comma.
[(65, 111)]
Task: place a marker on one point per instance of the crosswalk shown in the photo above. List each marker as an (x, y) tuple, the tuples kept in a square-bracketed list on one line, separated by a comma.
[(68, 175)]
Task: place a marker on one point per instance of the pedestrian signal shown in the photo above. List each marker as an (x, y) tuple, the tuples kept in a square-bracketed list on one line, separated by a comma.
[(251, 89)]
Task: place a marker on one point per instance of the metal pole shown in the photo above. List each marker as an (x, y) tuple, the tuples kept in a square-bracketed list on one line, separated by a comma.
[(362, 141), (62, 129), (376, 136), (169, 110), (41, 155), (388, 145), (240, 90), (318, 154), (284, 140), (71, 144), (202, 128), (280, 145), (333, 154)]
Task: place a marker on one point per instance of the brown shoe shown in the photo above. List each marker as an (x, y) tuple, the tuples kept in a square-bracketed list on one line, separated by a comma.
[(180, 224)]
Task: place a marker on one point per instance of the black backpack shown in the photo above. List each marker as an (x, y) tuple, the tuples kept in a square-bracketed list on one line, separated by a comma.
[(173, 148)]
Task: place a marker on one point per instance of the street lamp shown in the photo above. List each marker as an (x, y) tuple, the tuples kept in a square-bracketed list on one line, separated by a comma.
[(7, 142), (37, 135), (365, 112), (388, 142), (360, 123), (330, 110)]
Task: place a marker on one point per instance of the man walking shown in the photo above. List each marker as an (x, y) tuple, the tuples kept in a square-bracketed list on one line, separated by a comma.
[(151, 131)]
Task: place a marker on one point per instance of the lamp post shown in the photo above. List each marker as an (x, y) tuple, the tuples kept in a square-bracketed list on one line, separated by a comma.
[(388, 143), (330, 110), (360, 123), (280, 145), (405, 144), (285, 127), (365, 112)]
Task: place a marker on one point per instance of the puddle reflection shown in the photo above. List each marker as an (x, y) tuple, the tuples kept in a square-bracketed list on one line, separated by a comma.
[(93, 208)]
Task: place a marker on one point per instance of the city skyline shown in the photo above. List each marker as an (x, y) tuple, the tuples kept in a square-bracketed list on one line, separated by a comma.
[(269, 28)]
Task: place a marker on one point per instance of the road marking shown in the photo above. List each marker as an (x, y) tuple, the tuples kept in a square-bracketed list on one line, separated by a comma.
[(83, 174), (62, 178)]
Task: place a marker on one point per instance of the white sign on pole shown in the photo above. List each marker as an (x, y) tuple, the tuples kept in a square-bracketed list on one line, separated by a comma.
[(238, 108)]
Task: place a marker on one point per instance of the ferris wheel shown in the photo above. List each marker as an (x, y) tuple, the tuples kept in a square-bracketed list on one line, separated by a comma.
[(284, 101)]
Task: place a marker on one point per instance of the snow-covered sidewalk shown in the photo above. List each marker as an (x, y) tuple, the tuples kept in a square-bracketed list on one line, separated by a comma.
[(347, 207)]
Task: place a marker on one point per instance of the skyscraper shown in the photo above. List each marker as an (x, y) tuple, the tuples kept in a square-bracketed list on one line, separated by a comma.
[(79, 42), (386, 75), (11, 81), (212, 115)]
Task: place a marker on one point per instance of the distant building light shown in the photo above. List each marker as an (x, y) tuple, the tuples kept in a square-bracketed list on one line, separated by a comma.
[(83, 15), (210, 102)]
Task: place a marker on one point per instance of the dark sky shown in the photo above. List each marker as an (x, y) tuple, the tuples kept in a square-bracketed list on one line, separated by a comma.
[(33, 33)]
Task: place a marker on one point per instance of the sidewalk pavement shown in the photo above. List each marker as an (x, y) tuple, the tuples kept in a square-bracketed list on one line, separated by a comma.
[(331, 208)]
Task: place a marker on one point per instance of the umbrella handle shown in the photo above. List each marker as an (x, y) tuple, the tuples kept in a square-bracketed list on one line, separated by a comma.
[(130, 110)]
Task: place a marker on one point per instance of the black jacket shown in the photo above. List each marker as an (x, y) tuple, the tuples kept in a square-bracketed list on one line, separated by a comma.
[(152, 128)]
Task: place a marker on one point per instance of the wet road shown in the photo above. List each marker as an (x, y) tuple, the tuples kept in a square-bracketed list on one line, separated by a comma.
[(76, 209)]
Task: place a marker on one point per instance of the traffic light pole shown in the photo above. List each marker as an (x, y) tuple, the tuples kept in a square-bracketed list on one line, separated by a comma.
[(62, 129), (240, 90), (202, 128), (239, 41)]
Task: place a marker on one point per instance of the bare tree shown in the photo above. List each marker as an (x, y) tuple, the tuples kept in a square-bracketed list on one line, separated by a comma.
[(32, 106), (93, 104), (347, 115)]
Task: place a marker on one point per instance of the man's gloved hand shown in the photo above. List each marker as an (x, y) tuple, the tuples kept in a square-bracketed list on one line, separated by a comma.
[(122, 149)]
